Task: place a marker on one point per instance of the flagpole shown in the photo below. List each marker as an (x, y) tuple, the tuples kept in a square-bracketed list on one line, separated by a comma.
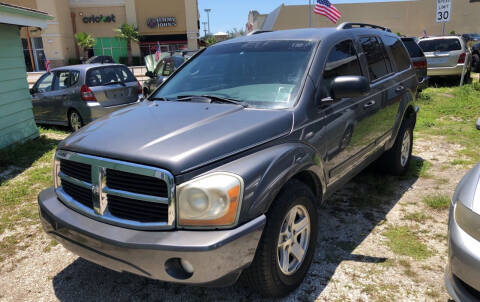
[(309, 13)]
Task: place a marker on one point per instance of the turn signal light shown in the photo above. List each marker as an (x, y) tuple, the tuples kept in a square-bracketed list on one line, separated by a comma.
[(87, 94), (461, 60)]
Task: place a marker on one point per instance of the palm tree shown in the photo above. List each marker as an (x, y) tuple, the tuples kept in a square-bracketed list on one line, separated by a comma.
[(86, 41), (129, 33)]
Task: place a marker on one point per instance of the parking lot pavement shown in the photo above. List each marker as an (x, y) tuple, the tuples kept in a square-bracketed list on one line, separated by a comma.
[(357, 257)]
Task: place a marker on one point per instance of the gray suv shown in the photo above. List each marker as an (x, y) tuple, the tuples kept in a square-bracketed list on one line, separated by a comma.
[(219, 172), (76, 95)]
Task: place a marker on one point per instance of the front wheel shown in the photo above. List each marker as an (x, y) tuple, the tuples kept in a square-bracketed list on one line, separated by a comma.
[(287, 247)]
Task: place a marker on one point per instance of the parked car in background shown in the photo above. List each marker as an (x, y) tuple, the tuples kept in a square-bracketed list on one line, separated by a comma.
[(419, 61), (446, 56), (100, 60), (471, 39), (76, 95), (463, 269), (220, 171), (475, 49), (163, 70)]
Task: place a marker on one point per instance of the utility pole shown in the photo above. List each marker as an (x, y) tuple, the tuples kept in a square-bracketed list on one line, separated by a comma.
[(205, 28), (208, 10)]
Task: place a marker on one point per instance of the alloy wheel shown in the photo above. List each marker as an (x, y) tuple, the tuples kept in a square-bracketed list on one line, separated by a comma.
[(293, 240)]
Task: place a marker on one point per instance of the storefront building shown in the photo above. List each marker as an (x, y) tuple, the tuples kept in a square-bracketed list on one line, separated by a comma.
[(174, 25), (409, 18)]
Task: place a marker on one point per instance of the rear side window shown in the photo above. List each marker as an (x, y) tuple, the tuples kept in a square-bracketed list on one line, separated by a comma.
[(65, 79), (376, 57), (342, 61), (109, 74), (440, 45), (400, 55), (413, 49)]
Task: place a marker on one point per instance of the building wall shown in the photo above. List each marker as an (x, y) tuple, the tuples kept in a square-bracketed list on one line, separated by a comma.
[(16, 117), (58, 40), (406, 17)]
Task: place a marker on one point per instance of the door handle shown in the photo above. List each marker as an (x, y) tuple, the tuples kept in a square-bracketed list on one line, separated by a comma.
[(369, 104), (399, 88)]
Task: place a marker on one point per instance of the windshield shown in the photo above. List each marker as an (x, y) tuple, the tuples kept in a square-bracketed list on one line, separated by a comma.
[(264, 74), (440, 45), (413, 48)]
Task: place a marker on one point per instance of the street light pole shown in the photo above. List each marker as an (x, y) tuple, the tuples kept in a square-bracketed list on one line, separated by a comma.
[(208, 10), (205, 28)]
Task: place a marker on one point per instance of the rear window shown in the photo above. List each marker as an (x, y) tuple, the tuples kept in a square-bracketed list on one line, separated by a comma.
[(109, 74), (440, 45), (413, 49)]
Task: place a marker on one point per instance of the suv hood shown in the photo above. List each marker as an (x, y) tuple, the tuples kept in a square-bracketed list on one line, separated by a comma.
[(178, 136)]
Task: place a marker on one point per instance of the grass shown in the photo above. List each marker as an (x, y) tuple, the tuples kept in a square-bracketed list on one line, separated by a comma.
[(32, 162), (437, 201), (418, 217), (448, 112), (403, 241)]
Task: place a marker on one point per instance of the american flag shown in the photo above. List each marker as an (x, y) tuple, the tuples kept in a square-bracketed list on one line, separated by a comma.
[(158, 52), (325, 8)]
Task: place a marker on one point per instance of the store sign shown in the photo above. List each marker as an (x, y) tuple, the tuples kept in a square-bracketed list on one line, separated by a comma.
[(99, 19), (162, 22), (444, 10)]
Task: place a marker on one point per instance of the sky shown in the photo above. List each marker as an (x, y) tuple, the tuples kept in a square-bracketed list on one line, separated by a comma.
[(229, 14)]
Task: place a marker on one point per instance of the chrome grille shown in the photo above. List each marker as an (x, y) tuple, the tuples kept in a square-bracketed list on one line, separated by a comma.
[(116, 192)]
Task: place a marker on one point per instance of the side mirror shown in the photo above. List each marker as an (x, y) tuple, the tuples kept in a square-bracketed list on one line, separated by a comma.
[(349, 87), (33, 90), (478, 124)]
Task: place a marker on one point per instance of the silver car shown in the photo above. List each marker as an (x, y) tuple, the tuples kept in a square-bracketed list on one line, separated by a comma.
[(462, 277), (446, 56), (76, 95)]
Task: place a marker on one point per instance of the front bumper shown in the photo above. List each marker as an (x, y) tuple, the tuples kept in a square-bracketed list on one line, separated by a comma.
[(463, 268), (445, 71), (217, 257)]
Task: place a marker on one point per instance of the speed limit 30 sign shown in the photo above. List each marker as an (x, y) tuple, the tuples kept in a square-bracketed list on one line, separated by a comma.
[(444, 9)]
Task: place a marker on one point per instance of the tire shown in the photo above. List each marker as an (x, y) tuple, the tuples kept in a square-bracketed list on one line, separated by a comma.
[(75, 120), (476, 63), (396, 160), (265, 274)]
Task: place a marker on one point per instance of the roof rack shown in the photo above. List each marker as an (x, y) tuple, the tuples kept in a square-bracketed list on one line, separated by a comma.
[(350, 25), (258, 31)]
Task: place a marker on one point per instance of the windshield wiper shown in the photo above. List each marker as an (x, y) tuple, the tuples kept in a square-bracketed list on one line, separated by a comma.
[(211, 99), (116, 82), (158, 99)]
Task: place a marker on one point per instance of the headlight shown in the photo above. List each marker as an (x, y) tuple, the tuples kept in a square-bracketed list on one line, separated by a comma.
[(467, 220), (56, 169), (211, 200)]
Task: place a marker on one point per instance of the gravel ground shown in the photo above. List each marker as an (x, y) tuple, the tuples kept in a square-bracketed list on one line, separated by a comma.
[(353, 260)]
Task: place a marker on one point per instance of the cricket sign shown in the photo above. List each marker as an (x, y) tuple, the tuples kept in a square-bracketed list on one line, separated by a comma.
[(444, 10)]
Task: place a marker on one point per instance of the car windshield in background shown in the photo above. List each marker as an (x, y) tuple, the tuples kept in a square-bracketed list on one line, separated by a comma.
[(413, 48), (264, 74), (440, 45), (109, 74)]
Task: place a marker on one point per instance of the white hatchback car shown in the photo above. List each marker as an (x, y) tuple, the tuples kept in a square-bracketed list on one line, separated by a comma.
[(446, 56)]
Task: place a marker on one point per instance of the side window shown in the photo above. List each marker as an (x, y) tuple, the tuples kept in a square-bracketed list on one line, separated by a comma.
[(376, 57), (62, 80), (402, 59), (342, 61), (44, 84), (74, 75)]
